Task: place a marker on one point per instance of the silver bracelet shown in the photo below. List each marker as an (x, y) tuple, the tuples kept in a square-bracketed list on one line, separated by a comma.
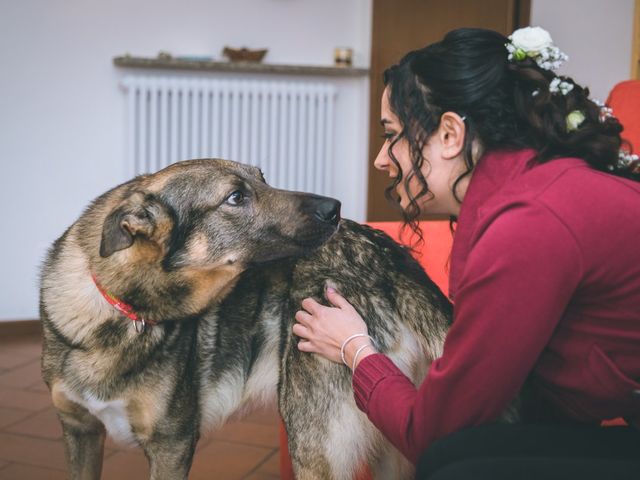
[(347, 340), (355, 357)]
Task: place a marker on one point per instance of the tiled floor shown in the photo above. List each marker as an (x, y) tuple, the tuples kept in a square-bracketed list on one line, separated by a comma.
[(30, 435)]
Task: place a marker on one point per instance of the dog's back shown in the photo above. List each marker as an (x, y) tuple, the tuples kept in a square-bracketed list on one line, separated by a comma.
[(406, 314)]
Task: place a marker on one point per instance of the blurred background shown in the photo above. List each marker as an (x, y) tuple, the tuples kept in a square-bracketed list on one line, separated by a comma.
[(73, 123)]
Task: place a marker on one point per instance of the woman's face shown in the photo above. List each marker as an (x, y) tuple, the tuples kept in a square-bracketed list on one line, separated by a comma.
[(439, 169)]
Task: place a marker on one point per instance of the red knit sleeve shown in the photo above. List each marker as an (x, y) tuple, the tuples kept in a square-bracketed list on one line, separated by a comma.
[(519, 276)]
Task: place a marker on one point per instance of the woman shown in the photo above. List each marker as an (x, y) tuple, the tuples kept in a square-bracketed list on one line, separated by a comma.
[(545, 266)]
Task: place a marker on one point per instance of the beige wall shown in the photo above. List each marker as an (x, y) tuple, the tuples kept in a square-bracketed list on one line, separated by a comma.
[(596, 34)]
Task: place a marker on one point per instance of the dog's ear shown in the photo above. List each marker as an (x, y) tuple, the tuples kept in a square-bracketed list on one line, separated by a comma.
[(137, 216)]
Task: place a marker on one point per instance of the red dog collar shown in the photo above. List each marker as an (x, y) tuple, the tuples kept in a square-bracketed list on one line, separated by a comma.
[(124, 308)]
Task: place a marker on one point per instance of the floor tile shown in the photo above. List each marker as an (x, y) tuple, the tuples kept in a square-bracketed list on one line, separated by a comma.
[(112, 445), (263, 416), (125, 465), (31, 447), (32, 451), (44, 425), (23, 399), (249, 433), (219, 460), (38, 386), (227, 461), (108, 452), (12, 357), (28, 472), (261, 476), (21, 377), (10, 416), (23, 345), (271, 466)]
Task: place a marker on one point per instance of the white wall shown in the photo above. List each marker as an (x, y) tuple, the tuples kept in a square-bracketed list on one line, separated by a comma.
[(61, 111), (597, 36)]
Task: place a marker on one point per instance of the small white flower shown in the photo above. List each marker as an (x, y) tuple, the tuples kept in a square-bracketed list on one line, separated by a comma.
[(626, 160), (605, 112), (565, 87), (558, 85)]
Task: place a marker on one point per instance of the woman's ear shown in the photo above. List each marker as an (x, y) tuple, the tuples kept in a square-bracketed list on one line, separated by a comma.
[(451, 132)]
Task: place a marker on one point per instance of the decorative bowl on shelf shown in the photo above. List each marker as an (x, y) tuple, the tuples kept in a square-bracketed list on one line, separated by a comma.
[(244, 54)]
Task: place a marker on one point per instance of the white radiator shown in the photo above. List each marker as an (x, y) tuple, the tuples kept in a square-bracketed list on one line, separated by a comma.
[(284, 127)]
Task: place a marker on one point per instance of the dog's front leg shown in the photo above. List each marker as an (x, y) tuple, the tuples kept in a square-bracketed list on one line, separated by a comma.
[(169, 456), (84, 444), (83, 434)]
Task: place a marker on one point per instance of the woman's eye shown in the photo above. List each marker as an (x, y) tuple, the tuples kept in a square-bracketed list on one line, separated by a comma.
[(236, 198), (388, 136)]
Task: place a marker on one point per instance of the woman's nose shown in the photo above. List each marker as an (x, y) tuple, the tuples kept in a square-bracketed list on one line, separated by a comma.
[(382, 159)]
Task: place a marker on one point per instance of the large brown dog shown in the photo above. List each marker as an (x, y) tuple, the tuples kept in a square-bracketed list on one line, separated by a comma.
[(209, 264)]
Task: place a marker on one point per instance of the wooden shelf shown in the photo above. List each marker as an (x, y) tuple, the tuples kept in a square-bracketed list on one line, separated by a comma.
[(128, 61)]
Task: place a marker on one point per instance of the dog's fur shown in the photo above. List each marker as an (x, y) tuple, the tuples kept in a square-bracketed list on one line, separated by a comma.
[(222, 275)]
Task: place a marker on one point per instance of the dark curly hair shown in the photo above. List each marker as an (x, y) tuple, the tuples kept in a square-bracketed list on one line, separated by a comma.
[(505, 104)]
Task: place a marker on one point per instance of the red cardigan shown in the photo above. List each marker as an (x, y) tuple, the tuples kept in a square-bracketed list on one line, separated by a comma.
[(545, 276)]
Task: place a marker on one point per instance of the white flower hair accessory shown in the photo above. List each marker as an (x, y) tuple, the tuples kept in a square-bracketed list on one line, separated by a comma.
[(558, 85), (627, 161), (574, 120), (605, 112), (535, 43)]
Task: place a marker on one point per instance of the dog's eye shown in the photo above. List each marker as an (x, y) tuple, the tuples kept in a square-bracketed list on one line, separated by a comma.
[(236, 198)]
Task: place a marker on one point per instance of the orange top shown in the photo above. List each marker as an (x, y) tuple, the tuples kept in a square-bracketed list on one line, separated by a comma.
[(624, 100)]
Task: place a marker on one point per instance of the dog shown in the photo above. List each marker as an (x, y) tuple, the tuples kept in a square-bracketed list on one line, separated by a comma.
[(169, 304)]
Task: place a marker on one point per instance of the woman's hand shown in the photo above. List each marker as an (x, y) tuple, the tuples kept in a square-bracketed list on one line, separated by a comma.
[(324, 329)]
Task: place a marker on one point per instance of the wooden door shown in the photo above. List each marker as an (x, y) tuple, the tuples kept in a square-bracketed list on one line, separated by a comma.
[(403, 25)]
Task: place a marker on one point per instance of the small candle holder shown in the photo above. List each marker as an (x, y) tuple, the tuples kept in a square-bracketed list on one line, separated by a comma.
[(343, 56)]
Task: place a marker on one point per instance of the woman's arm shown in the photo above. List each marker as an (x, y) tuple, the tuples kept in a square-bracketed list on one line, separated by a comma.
[(516, 284)]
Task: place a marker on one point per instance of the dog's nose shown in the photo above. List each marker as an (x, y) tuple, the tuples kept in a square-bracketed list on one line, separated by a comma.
[(328, 211)]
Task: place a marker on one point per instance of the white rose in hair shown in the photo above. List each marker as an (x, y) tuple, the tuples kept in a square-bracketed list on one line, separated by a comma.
[(531, 39), (535, 43)]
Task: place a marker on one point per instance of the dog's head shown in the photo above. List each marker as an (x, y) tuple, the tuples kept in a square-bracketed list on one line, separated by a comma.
[(200, 217)]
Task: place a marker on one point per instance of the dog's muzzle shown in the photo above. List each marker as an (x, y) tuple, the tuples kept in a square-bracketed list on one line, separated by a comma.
[(328, 211)]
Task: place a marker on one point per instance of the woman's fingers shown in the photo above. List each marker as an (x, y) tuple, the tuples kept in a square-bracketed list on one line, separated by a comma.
[(305, 346), (310, 305), (336, 299), (301, 331), (303, 317), (322, 329)]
